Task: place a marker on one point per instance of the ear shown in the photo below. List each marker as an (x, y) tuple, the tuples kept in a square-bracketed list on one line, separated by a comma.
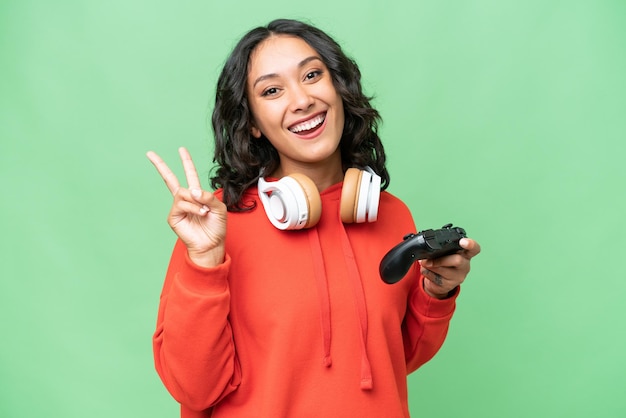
[(256, 132)]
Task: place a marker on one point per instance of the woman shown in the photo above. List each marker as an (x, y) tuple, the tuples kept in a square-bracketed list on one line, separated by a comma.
[(272, 304)]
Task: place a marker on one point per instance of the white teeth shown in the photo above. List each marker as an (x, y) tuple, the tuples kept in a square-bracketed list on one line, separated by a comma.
[(310, 124)]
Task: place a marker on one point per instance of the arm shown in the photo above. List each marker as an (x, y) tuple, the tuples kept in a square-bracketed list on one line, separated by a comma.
[(425, 325), (193, 346), (432, 302), (193, 343)]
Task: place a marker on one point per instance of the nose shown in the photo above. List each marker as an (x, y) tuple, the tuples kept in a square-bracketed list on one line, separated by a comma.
[(300, 98)]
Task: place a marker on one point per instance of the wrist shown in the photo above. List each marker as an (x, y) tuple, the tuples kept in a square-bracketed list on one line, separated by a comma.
[(435, 291), (207, 259)]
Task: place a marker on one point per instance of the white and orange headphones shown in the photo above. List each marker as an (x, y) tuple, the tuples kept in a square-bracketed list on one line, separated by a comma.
[(293, 202)]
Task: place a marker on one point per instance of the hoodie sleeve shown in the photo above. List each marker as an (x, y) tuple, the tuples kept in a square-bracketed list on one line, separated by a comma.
[(426, 323), (193, 345)]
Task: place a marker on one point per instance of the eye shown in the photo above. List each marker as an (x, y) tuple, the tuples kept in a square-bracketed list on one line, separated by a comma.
[(313, 75), (269, 92)]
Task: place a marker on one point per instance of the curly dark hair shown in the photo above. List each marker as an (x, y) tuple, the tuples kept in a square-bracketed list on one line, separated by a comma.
[(240, 157)]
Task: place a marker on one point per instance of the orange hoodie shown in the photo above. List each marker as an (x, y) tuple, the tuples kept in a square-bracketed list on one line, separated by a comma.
[(297, 323)]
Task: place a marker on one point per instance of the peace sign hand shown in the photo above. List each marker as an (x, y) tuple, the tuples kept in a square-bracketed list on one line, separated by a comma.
[(197, 216)]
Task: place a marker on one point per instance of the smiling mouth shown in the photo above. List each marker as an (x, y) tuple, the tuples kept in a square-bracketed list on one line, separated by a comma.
[(309, 125)]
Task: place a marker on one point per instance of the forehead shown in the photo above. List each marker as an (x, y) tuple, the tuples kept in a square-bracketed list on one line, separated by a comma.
[(277, 54)]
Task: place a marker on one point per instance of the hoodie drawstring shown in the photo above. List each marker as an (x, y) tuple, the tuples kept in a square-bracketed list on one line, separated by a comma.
[(359, 297), (322, 287)]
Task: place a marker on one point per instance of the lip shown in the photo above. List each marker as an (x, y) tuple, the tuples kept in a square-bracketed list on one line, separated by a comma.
[(316, 132)]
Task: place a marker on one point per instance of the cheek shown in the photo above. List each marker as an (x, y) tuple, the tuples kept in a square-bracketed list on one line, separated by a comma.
[(336, 100), (257, 117), (266, 121), (266, 114), (340, 114)]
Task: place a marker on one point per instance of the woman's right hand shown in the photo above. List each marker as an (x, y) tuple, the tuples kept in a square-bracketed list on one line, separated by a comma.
[(197, 216)]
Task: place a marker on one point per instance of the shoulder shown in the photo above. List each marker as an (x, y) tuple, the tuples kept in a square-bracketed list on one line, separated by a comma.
[(394, 215), (248, 199), (392, 202), (219, 193)]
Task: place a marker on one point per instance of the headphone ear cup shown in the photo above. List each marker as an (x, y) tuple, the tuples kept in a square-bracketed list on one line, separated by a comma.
[(360, 196), (292, 202), (312, 197), (350, 195), (373, 199)]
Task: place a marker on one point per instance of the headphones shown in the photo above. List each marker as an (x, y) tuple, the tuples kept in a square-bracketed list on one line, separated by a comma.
[(293, 202)]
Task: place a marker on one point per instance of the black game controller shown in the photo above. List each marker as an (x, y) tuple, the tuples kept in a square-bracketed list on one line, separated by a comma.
[(431, 243)]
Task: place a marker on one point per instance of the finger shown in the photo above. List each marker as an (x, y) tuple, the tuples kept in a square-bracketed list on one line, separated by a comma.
[(451, 260), (208, 199), (433, 276), (444, 276), (166, 174), (198, 199), (193, 181), (183, 208), (471, 247)]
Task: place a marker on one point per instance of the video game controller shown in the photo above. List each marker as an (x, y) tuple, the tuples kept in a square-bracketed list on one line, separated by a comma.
[(431, 243)]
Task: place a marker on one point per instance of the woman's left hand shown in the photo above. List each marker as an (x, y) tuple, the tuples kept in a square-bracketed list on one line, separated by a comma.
[(444, 274)]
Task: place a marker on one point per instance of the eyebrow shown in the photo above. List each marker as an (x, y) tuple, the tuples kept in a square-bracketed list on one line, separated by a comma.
[(274, 75)]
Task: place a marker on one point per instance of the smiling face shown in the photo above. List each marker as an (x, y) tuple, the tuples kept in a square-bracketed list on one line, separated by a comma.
[(295, 105)]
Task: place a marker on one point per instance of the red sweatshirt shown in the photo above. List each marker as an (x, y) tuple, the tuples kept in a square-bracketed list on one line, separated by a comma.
[(297, 323)]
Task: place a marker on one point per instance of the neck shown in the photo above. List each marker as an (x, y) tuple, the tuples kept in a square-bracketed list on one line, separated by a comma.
[(323, 174)]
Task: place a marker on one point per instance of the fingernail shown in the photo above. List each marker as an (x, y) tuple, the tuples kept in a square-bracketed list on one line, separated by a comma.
[(196, 192), (204, 210)]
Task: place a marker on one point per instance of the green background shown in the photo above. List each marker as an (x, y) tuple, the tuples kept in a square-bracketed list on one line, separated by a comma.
[(504, 117)]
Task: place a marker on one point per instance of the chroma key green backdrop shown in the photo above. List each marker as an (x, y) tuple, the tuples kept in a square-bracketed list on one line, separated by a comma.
[(505, 117)]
